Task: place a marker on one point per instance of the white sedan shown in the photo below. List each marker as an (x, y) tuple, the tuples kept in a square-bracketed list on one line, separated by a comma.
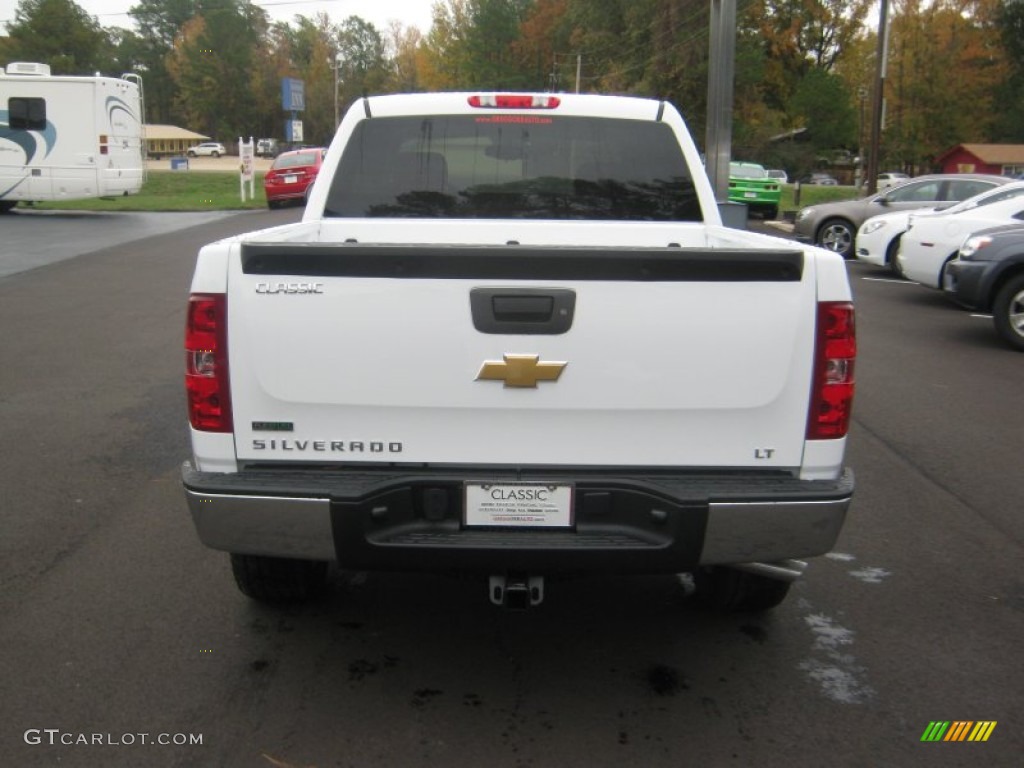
[(878, 238), (932, 241)]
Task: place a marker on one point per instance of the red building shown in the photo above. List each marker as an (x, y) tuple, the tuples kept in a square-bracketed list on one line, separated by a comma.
[(1000, 159)]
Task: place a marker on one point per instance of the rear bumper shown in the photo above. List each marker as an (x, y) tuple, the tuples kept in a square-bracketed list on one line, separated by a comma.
[(396, 520)]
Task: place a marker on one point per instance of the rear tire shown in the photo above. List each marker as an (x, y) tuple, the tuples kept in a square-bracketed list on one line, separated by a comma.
[(771, 214), (279, 580), (726, 589), (7, 205), (1008, 312)]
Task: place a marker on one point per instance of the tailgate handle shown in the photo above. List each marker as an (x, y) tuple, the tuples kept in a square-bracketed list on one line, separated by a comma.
[(522, 310)]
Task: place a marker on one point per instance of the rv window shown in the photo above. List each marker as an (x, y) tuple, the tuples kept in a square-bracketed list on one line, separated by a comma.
[(26, 114)]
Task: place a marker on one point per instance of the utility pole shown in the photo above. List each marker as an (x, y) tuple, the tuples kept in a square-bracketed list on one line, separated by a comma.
[(879, 95), (721, 74)]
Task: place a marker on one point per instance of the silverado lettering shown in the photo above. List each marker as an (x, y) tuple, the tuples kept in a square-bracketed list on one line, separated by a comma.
[(337, 446), (702, 428)]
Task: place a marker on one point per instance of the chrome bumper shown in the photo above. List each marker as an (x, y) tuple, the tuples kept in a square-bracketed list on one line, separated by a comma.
[(303, 527)]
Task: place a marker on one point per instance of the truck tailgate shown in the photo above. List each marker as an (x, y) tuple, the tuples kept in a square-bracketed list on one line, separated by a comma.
[(520, 355)]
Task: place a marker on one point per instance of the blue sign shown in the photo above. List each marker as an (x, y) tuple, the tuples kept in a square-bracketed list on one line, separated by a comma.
[(293, 95)]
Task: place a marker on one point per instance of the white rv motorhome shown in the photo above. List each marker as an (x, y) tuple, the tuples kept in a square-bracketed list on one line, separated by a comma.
[(63, 138)]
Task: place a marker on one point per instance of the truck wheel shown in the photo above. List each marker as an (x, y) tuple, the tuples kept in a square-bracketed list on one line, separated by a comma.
[(1008, 312), (278, 580), (837, 235), (726, 589)]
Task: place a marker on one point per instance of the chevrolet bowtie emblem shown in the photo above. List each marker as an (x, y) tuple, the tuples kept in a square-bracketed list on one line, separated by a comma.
[(520, 371)]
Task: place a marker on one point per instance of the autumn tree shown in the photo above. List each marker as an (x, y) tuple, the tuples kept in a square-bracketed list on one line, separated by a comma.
[(211, 65), (943, 56), (158, 23), (403, 45)]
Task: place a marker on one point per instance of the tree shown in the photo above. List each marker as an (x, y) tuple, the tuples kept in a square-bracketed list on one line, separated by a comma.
[(59, 33), (1008, 122), (211, 65), (364, 64), (943, 55)]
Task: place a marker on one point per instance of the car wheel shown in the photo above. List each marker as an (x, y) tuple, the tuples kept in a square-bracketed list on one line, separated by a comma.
[(278, 580), (837, 235), (215, 153), (7, 205), (273, 204), (726, 589), (1008, 312), (772, 213), (891, 254), (190, 153)]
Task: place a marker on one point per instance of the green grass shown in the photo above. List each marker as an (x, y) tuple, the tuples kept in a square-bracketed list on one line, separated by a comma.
[(813, 194), (175, 191)]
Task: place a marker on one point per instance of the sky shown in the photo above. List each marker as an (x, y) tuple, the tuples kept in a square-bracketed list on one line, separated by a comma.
[(114, 13)]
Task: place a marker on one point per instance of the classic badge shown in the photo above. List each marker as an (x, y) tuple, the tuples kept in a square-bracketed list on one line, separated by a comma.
[(520, 371)]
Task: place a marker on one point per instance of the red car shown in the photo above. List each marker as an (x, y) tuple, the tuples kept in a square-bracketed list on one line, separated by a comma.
[(291, 175)]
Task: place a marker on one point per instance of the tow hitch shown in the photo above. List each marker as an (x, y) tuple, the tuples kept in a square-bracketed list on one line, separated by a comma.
[(516, 591)]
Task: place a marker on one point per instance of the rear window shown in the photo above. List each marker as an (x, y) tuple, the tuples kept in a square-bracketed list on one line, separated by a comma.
[(513, 166), (296, 160), (742, 171)]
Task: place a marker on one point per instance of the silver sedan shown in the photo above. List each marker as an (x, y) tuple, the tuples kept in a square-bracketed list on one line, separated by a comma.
[(834, 225)]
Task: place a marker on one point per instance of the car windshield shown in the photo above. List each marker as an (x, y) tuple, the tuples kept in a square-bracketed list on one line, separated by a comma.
[(293, 161), (497, 166)]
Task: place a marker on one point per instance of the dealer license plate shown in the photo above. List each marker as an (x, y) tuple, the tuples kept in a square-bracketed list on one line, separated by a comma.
[(519, 505), (290, 179)]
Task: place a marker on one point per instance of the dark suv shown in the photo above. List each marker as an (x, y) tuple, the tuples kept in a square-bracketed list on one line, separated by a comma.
[(988, 276)]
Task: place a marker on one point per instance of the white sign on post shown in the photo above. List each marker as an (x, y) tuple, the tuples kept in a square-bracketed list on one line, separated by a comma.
[(247, 153)]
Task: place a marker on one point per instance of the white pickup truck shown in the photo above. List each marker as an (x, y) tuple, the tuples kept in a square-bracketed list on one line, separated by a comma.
[(511, 337)]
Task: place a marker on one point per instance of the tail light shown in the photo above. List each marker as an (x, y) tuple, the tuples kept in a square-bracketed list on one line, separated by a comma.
[(834, 357), (206, 363)]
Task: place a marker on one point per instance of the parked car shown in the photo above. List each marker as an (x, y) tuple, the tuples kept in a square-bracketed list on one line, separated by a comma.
[(291, 175), (779, 174), (931, 242), (821, 179), (834, 225), (988, 276), (207, 149), (878, 239), (750, 183), (268, 148), (890, 179)]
